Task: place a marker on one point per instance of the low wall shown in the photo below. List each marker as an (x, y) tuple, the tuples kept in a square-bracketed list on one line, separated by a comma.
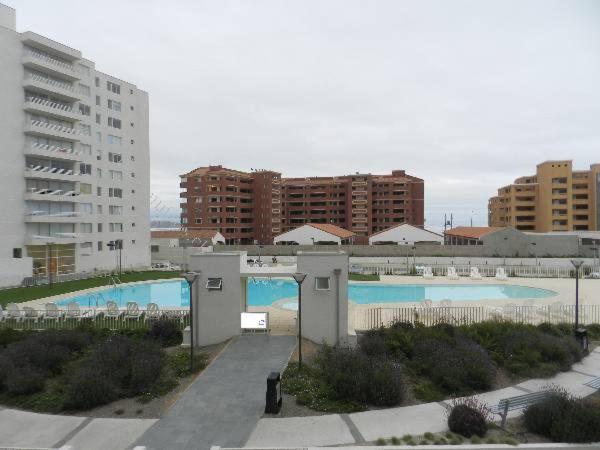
[(13, 270), (363, 250)]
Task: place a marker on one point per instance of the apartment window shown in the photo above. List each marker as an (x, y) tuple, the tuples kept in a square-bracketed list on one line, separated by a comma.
[(99, 208), (131, 107), (86, 149), (132, 142), (113, 140), (98, 119), (132, 174), (116, 175), (84, 89), (85, 129), (85, 169), (99, 155), (132, 125), (85, 249), (133, 224), (99, 246), (214, 284), (115, 227), (114, 123), (114, 105), (322, 283), (131, 91), (86, 208), (99, 172), (85, 227), (99, 228), (98, 136), (198, 220), (84, 109), (132, 158), (99, 194), (113, 87), (97, 82), (97, 100), (17, 252), (115, 210), (154, 249), (85, 188), (115, 192), (115, 157)]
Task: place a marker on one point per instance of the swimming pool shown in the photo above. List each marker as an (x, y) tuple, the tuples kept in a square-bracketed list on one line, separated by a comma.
[(266, 292)]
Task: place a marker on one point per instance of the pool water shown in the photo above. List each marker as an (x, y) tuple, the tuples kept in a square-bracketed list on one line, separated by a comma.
[(266, 292)]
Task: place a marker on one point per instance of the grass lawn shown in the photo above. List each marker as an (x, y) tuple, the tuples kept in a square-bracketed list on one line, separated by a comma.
[(363, 277), (24, 294)]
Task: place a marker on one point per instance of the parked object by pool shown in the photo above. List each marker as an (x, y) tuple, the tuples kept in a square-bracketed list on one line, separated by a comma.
[(264, 292)]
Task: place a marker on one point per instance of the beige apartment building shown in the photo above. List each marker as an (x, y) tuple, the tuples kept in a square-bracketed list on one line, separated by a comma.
[(556, 198)]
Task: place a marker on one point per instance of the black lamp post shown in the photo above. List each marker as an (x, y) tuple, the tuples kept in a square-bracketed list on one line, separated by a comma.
[(577, 264), (299, 277), (191, 278)]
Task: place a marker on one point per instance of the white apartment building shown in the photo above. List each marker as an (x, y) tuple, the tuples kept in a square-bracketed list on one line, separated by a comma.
[(74, 160)]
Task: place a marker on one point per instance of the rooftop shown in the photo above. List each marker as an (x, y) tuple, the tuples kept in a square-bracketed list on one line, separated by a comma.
[(471, 232)]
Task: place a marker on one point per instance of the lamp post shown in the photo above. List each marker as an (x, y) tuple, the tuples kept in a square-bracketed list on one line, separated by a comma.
[(191, 278), (49, 263), (117, 245), (299, 277), (577, 264)]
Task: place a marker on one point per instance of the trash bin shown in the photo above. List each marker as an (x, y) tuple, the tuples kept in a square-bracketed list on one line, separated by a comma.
[(582, 338), (273, 396)]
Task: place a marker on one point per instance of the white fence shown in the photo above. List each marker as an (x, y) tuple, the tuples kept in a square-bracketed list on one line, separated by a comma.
[(521, 271), (366, 319)]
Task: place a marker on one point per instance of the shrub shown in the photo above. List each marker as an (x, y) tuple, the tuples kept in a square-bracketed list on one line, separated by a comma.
[(179, 362), (373, 343), (458, 366), (351, 375), (167, 332), (563, 418), (87, 388), (24, 381), (146, 364), (6, 366), (10, 335), (467, 421)]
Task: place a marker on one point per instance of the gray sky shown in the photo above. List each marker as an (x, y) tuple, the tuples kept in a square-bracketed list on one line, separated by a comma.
[(465, 94)]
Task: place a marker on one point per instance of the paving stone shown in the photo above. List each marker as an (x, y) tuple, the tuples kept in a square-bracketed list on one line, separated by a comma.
[(27, 429), (110, 434)]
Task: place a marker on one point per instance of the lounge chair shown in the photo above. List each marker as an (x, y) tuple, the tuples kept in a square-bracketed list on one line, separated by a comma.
[(152, 311), (133, 311), (501, 274), (112, 310), (30, 314), (446, 303), (451, 273), (75, 312), (426, 303), (475, 275), (427, 273), (13, 312), (53, 312)]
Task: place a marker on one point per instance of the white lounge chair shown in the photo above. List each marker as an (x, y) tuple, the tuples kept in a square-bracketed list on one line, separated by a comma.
[(446, 303), (30, 314), (13, 312), (152, 311), (595, 275), (475, 275), (451, 273), (75, 312), (427, 273), (501, 274), (53, 312), (426, 303), (112, 310), (133, 311)]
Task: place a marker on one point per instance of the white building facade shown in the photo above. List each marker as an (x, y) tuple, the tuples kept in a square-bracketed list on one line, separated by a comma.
[(74, 163)]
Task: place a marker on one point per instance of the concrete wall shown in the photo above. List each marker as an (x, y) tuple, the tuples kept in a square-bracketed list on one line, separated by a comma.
[(513, 243), (217, 313), (325, 313), (13, 270)]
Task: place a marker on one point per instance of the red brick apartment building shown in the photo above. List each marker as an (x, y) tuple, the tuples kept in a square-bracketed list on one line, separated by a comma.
[(258, 205)]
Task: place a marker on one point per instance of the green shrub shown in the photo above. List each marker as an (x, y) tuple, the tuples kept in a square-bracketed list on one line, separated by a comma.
[(24, 381), (467, 421), (10, 335), (88, 388), (381, 441), (395, 440), (352, 375), (179, 362), (563, 418), (167, 332)]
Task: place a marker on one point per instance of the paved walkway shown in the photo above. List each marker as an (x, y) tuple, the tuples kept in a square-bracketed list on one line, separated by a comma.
[(356, 428), (224, 404)]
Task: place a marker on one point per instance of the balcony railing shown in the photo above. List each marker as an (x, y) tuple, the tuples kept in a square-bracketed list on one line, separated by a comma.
[(58, 215), (50, 82), (55, 149), (55, 192), (50, 104), (50, 170), (49, 60), (57, 128)]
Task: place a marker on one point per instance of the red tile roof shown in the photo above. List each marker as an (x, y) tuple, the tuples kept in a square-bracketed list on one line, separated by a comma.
[(471, 232), (340, 232)]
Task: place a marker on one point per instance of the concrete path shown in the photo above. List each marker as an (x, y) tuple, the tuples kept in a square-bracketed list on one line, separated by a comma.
[(224, 404), (356, 428), (31, 430)]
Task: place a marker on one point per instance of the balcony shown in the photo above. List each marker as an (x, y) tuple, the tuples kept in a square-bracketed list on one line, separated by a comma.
[(64, 91), (37, 60), (49, 108), (52, 151), (57, 238), (40, 128), (52, 173), (66, 217), (55, 195), (359, 201)]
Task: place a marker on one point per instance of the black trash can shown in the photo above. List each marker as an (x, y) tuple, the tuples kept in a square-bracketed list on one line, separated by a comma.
[(581, 337), (273, 397)]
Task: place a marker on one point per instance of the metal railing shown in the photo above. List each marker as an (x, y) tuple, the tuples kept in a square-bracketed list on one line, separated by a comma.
[(50, 104), (366, 319), (55, 148), (55, 127), (39, 319), (50, 82), (48, 59)]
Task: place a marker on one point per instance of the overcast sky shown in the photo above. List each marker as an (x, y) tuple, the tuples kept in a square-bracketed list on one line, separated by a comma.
[(465, 94)]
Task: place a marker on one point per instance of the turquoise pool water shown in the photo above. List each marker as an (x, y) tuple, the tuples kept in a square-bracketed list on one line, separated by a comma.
[(265, 292)]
